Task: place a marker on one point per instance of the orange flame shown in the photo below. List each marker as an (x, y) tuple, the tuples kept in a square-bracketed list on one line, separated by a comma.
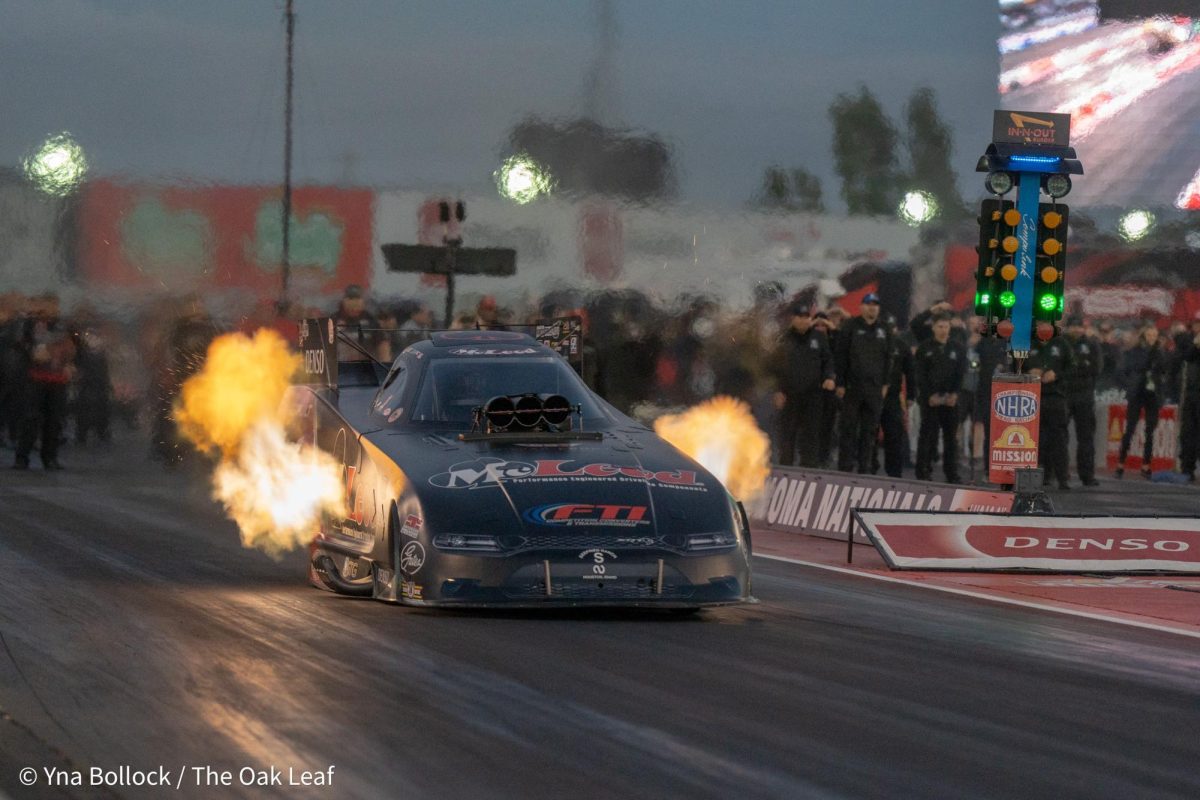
[(275, 490), (721, 434)]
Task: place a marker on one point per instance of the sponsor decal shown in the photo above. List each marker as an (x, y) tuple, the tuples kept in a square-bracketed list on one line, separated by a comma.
[(1063, 544), (819, 503), (412, 590), (1016, 405), (637, 541), (412, 526), (1031, 127), (486, 472), (599, 560), (492, 351), (412, 558), (589, 514)]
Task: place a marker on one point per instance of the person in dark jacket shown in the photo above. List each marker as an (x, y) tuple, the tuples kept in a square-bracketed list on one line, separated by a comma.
[(902, 389), (1081, 397), (863, 363), (183, 356), (1052, 362), (1144, 377), (803, 368), (93, 385), (921, 325), (49, 354), (940, 367), (1187, 345), (831, 404)]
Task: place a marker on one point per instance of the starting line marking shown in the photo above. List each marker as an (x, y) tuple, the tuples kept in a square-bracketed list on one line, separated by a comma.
[(993, 598)]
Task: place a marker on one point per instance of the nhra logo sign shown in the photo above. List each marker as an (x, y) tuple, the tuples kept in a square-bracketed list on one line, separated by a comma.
[(1016, 405), (486, 472), (576, 514)]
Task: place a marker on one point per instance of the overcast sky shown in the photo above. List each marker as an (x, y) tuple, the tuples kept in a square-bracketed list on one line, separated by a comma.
[(422, 94)]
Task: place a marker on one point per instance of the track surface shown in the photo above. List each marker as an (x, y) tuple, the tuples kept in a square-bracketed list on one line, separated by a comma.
[(136, 631)]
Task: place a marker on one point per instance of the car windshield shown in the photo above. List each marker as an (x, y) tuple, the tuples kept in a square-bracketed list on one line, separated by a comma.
[(453, 387)]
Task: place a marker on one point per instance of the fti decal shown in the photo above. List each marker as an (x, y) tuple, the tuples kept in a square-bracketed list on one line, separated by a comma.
[(589, 514), (412, 526)]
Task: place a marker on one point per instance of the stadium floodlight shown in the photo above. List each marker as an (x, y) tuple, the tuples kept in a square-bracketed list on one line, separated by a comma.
[(522, 180), (57, 167), (917, 207), (1135, 224)]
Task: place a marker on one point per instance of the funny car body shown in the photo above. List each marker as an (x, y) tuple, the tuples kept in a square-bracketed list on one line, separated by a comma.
[(480, 471)]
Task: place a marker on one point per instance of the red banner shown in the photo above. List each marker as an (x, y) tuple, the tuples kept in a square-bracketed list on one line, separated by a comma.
[(1016, 407), (183, 238), (1166, 439), (1049, 544), (818, 503)]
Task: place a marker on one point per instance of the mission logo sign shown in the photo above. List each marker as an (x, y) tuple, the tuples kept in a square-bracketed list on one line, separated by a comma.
[(1014, 431)]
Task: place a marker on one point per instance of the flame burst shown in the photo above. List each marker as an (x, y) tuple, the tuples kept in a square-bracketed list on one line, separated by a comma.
[(721, 434), (274, 489)]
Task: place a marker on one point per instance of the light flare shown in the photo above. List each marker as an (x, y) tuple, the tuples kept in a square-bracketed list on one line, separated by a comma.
[(722, 436), (276, 490)]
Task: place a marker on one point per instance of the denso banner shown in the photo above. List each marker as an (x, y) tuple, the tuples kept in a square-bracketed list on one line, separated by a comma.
[(818, 503), (994, 542)]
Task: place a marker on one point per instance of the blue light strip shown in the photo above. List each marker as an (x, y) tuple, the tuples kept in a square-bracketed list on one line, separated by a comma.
[(1035, 159)]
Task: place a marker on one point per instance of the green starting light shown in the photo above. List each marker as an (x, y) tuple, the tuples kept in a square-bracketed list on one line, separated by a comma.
[(1060, 305), (1008, 299), (985, 300), (1048, 302)]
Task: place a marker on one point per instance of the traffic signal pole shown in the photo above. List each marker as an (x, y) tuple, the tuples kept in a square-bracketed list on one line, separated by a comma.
[(1020, 280)]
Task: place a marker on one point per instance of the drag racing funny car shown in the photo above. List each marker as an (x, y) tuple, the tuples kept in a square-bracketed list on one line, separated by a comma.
[(481, 470)]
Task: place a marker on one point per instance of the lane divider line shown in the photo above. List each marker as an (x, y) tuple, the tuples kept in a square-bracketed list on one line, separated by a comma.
[(992, 597)]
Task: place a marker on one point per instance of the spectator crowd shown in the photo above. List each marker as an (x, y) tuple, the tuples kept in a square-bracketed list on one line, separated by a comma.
[(834, 390)]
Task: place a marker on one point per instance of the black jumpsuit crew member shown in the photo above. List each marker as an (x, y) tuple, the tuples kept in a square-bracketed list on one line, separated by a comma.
[(1081, 397), (804, 374), (864, 359), (941, 366), (1052, 362), (902, 385), (1188, 347), (1144, 376)]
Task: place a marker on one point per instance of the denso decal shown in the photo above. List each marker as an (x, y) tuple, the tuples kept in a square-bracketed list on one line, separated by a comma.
[(577, 514), (1016, 405), (485, 472)]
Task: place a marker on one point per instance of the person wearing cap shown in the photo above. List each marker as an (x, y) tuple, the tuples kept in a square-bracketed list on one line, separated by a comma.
[(1187, 346), (863, 362), (803, 370), (1051, 362), (355, 322), (1081, 396)]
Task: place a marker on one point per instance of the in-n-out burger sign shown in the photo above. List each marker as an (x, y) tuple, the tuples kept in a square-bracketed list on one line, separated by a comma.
[(1082, 544)]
